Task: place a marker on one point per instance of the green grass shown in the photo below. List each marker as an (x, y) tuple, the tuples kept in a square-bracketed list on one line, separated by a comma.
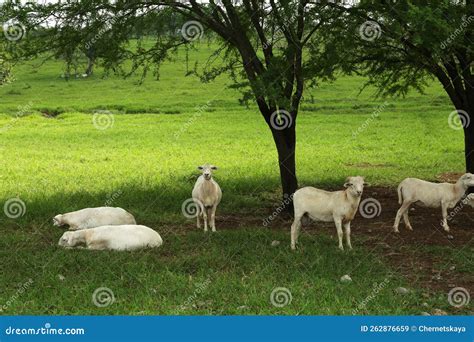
[(146, 162), (235, 272)]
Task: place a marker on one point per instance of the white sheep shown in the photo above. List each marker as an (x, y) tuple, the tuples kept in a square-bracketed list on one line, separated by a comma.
[(94, 217), (119, 238), (320, 205), (431, 195), (206, 195)]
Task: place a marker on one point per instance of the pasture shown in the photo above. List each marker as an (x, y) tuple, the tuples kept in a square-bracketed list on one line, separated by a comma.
[(141, 154)]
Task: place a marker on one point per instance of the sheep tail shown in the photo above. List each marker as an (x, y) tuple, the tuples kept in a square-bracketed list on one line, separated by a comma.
[(400, 194)]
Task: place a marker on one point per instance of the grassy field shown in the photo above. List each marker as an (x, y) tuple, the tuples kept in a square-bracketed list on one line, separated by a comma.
[(141, 152)]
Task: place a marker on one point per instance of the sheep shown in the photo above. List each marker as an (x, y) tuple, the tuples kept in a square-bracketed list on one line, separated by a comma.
[(94, 217), (431, 195), (338, 206), (118, 238), (206, 195)]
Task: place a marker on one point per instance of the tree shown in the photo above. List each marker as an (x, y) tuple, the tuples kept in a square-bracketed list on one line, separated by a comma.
[(402, 44), (263, 44), (5, 66)]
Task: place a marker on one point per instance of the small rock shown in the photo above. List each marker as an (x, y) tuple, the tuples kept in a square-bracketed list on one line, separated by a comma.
[(369, 230), (451, 285), (275, 243), (61, 277), (346, 279), (402, 290), (425, 304), (452, 268), (436, 277), (450, 237), (439, 312), (424, 313), (412, 209), (242, 307)]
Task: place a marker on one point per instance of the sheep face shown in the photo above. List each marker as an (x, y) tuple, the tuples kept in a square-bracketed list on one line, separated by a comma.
[(67, 240), (57, 221), (355, 185), (206, 170), (467, 180)]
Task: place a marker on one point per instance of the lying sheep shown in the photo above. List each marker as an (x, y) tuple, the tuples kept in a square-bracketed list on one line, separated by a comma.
[(431, 195), (94, 217), (206, 195), (338, 206), (118, 238)]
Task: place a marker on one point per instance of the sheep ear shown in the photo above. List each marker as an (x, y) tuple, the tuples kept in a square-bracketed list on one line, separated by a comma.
[(214, 167), (200, 168), (347, 184), (366, 184)]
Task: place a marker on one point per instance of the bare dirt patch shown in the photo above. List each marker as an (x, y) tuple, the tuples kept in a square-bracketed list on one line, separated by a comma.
[(404, 252)]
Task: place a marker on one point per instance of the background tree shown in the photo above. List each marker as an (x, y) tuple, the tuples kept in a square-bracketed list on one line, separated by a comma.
[(403, 44), (262, 45), (5, 66)]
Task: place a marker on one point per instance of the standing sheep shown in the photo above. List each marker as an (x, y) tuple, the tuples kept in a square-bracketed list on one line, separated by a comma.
[(338, 206), (431, 195), (206, 195), (94, 217)]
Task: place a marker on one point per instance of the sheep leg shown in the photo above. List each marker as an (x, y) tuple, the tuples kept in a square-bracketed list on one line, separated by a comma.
[(406, 220), (97, 245), (295, 230), (444, 210), (204, 216), (213, 217), (198, 213), (403, 208), (338, 223), (347, 228)]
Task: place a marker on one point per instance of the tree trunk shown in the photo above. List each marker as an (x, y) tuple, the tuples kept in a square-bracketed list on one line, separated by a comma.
[(285, 141), (90, 66), (469, 146)]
